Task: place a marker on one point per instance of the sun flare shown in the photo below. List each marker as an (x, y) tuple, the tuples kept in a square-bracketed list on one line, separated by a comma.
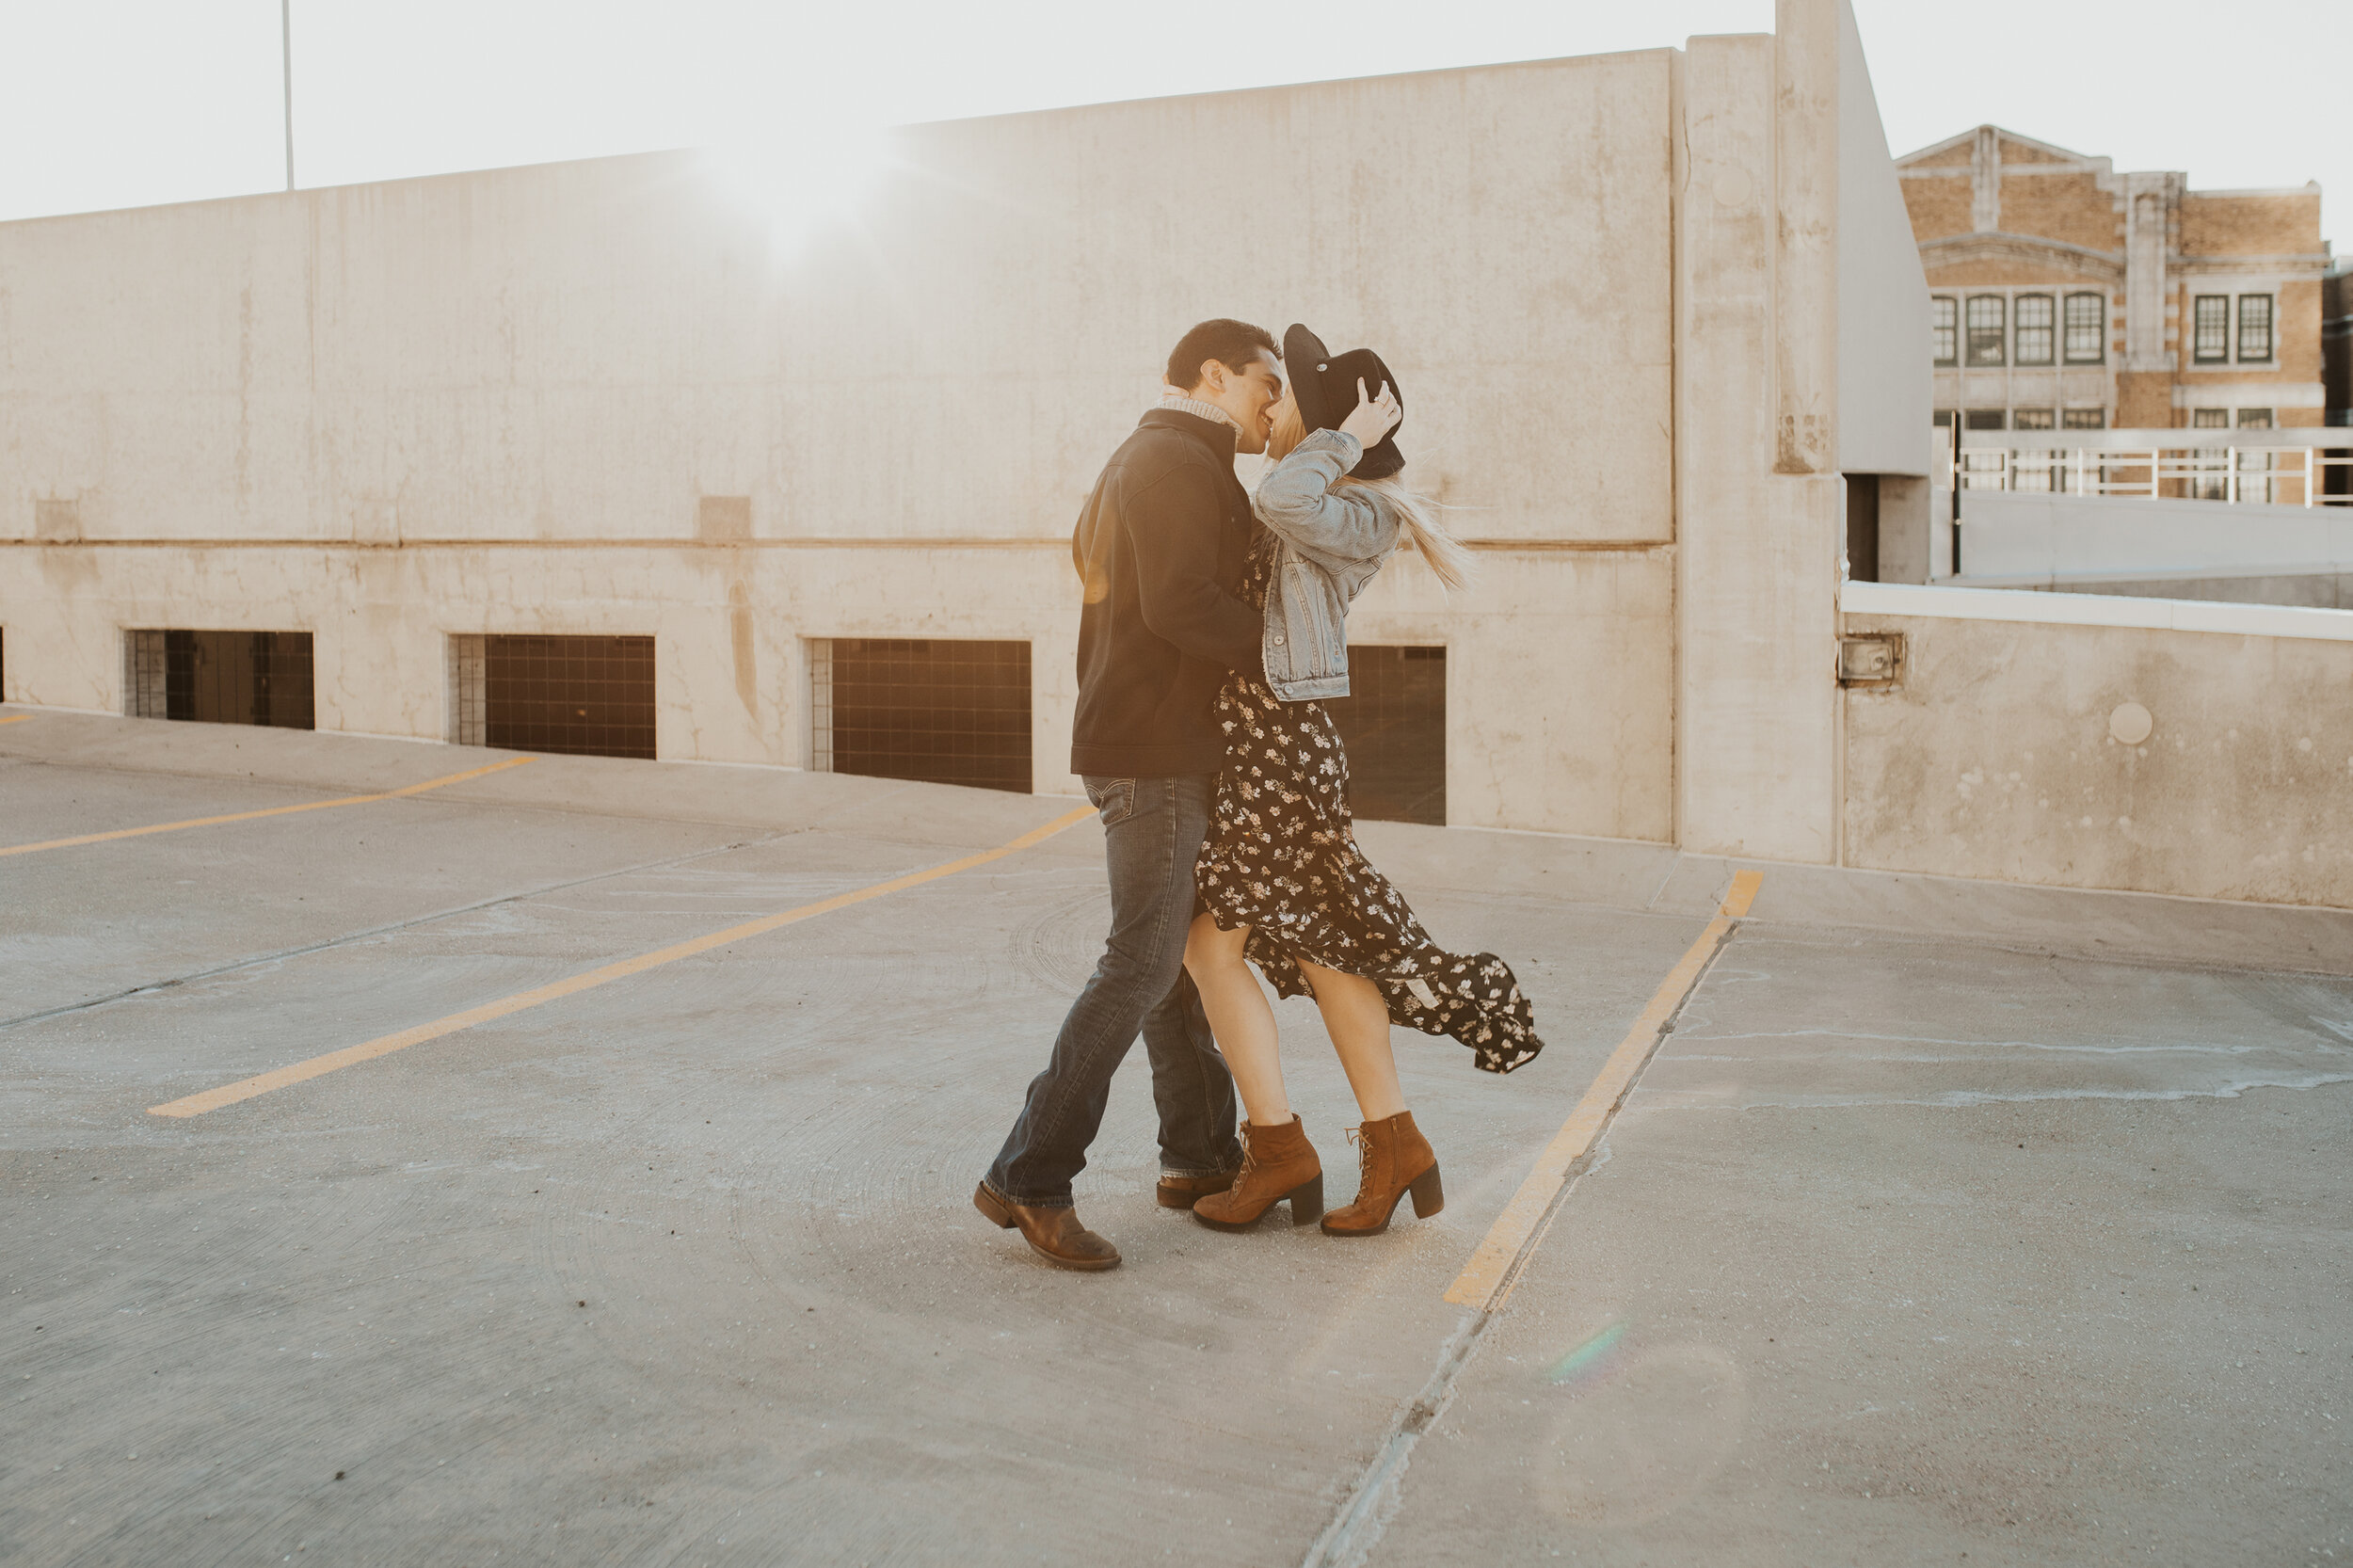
[(800, 182)]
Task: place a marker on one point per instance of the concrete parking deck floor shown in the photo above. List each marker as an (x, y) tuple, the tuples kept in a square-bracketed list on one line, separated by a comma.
[(1949, 1223)]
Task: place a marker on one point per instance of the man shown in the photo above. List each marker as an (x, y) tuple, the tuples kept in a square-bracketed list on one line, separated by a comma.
[(1160, 544)]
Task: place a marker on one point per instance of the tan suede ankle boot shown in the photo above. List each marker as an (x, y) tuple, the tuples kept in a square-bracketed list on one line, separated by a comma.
[(1278, 1162), (1394, 1158)]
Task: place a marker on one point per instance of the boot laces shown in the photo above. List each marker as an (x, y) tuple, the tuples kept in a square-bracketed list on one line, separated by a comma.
[(1363, 1155), (1249, 1157)]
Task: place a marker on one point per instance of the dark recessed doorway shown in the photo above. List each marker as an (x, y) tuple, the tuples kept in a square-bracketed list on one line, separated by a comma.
[(261, 677), (1393, 721)]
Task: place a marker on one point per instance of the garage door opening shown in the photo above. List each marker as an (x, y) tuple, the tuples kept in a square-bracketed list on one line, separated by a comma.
[(260, 677), (1393, 721), (931, 709), (571, 695)]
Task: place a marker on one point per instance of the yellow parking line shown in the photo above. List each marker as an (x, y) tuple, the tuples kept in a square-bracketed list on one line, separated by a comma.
[(1487, 1280), (273, 811), (14, 718), (280, 1077)]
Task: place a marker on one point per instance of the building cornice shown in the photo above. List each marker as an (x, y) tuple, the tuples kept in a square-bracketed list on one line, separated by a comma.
[(1963, 172), (2310, 187), (2314, 263)]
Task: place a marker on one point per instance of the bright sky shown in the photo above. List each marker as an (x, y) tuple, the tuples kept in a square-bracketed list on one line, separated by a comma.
[(124, 103)]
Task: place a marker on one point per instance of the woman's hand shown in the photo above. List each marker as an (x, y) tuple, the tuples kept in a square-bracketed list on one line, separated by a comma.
[(1373, 417)]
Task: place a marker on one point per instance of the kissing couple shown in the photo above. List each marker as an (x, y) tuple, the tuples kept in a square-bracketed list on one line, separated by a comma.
[(1214, 625)]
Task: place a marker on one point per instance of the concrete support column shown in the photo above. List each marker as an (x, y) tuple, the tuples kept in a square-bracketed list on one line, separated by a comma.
[(1907, 546), (1805, 235), (1759, 511)]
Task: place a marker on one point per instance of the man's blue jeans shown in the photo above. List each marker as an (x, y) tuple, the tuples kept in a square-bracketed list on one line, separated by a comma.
[(1153, 830)]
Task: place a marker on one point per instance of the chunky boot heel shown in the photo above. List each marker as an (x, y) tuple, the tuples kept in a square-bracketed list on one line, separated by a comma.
[(1000, 1212), (1429, 1196), (1278, 1162), (1395, 1159), (1307, 1201)]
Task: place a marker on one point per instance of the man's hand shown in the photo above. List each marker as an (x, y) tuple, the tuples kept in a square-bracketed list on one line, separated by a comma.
[(1373, 417)]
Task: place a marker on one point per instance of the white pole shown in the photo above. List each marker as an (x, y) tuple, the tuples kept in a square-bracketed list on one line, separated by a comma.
[(285, 55)]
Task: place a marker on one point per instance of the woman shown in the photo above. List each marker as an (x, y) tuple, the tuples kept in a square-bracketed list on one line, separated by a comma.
[(1281, 879)]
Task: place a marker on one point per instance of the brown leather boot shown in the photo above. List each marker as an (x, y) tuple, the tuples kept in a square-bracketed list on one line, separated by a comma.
[(1179, 1191), (1054, 1234), (1278, 1162), (1395, 1159)]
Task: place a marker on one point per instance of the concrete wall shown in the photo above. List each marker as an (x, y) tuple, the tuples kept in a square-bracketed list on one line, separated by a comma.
[(502, 402), (494, 403), (1759, 509), (580, 349), (499, 402), (2311, 590), (2007, 749)]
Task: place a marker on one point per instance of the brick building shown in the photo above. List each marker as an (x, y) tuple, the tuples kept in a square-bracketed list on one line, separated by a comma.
[(2067, 295)]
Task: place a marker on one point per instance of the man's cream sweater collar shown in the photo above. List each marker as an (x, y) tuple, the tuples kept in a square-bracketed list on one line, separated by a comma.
[(1198, 409)]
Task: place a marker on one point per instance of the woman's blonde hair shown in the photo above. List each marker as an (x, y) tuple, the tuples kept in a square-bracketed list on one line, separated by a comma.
[(1424, 532)]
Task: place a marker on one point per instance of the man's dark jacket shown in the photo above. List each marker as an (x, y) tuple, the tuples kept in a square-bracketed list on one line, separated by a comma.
[(1160, 545)]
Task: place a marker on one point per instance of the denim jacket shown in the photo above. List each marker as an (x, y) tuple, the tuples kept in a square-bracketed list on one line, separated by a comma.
[(1328, 545)]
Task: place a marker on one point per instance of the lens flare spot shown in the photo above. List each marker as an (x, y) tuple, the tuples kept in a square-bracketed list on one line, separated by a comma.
[(1589, 1360)]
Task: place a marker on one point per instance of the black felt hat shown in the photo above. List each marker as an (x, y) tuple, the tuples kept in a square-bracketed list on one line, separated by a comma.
[(1325, 385)]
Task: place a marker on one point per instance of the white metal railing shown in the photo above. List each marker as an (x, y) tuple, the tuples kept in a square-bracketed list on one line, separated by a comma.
[(2276, 467)]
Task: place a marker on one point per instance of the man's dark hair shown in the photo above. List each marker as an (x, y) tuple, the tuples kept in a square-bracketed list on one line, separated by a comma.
[(1231, 344)]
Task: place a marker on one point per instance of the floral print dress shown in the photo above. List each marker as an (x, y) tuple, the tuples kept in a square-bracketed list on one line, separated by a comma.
[(1282, 859)]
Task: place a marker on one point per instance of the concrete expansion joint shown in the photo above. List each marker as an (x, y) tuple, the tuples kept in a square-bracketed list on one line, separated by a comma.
[(1369, 1504), (1374, 1499)]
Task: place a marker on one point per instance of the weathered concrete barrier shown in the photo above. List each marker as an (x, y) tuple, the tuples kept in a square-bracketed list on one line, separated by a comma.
[(2021, 539), (2156, 745)]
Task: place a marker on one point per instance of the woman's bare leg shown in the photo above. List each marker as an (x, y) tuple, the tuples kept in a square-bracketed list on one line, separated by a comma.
[(1358, 1021), (1240, 1016)]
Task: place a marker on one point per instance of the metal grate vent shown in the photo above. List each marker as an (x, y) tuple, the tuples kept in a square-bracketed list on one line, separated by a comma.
[(942, 710), (143, 675), (582, 697), (469, 717), (821, 705)]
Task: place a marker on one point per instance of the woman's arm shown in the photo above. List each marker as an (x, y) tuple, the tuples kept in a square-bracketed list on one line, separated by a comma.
[(1297, 501)]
